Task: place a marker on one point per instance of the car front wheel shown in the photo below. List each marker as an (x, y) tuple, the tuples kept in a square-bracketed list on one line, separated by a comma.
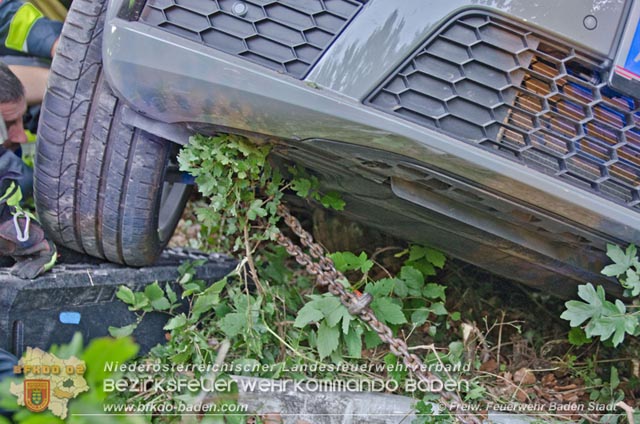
[(101, 186)]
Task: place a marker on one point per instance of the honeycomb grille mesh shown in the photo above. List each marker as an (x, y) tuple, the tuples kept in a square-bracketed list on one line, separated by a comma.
[(286, 35), (545, 104)]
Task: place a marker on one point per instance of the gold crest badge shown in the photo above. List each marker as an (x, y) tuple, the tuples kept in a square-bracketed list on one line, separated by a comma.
[(36, 394)]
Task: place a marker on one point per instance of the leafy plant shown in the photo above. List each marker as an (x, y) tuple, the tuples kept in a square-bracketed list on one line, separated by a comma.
[(229, 171), (334, 324), (426, 413), (268, 310), (306, 186), (625, 267), (598, 316), (243, 190)]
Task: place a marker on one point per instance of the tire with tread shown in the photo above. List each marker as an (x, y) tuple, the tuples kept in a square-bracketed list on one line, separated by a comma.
[(98, 182)]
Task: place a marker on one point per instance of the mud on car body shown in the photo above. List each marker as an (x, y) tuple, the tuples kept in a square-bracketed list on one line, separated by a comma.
[(504, 133)]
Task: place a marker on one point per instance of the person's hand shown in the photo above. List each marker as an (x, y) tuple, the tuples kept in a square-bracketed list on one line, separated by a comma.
[(54, 47), (10, 145)]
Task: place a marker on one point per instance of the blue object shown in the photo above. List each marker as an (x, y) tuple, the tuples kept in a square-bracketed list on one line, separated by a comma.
[(70, 317), (187, 179), (632, 63)]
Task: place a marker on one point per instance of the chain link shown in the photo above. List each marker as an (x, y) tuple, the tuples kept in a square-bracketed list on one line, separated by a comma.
[(328, 276)]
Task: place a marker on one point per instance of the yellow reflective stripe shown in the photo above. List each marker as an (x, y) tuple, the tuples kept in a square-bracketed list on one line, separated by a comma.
[(51, 9), (11, 190), (20, 26), (7, 193)]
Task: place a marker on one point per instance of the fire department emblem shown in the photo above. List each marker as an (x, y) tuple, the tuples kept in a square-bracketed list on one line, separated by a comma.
[(36, 394)]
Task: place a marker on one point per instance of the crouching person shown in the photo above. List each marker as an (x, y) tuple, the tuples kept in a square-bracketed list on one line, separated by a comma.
[(21, 237)]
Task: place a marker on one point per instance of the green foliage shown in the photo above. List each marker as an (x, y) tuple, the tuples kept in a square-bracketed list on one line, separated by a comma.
[(577, 337), (600, 317), (388, 311), (625, 266), (306, 186), (187, 342), (604, 319), (242, 189), (335, 326), (229, 170), (194, 332), (96, 355), (603, 390), (407, 299), (424, 259), (268, 311), (347, 261), (427, 413)]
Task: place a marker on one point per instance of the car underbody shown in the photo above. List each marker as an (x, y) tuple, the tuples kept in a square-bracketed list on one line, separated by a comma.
[(501, 133)]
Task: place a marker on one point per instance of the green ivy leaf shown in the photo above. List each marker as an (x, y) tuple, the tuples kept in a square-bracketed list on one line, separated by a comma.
[(204, 302), (614, 380), (217, 287), (417, 252), (614, 270), (328, 338), (372, 339), (332, 200), (307, 314), (420, 316), (125, 294), (456, 352), (176, 322), (233, 324), (161, 304), (382, 287), (353, 342), (301, 186), (622, 260), (125, 331), (414, 280), (347, 261), (256, 210), (425, 259), (425, 267), (616, 254), (387, 311), (436, 257), (141, 301), (578, 312), (577, 337), (617, 326), (153, 292), (173, 298), (434, 291), (438, 309), (605, 319), (395, 372), (340, 314), (632, 282), (191, 288)]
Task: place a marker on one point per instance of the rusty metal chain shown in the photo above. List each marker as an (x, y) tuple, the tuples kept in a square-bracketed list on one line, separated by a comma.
[(358, 304)]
